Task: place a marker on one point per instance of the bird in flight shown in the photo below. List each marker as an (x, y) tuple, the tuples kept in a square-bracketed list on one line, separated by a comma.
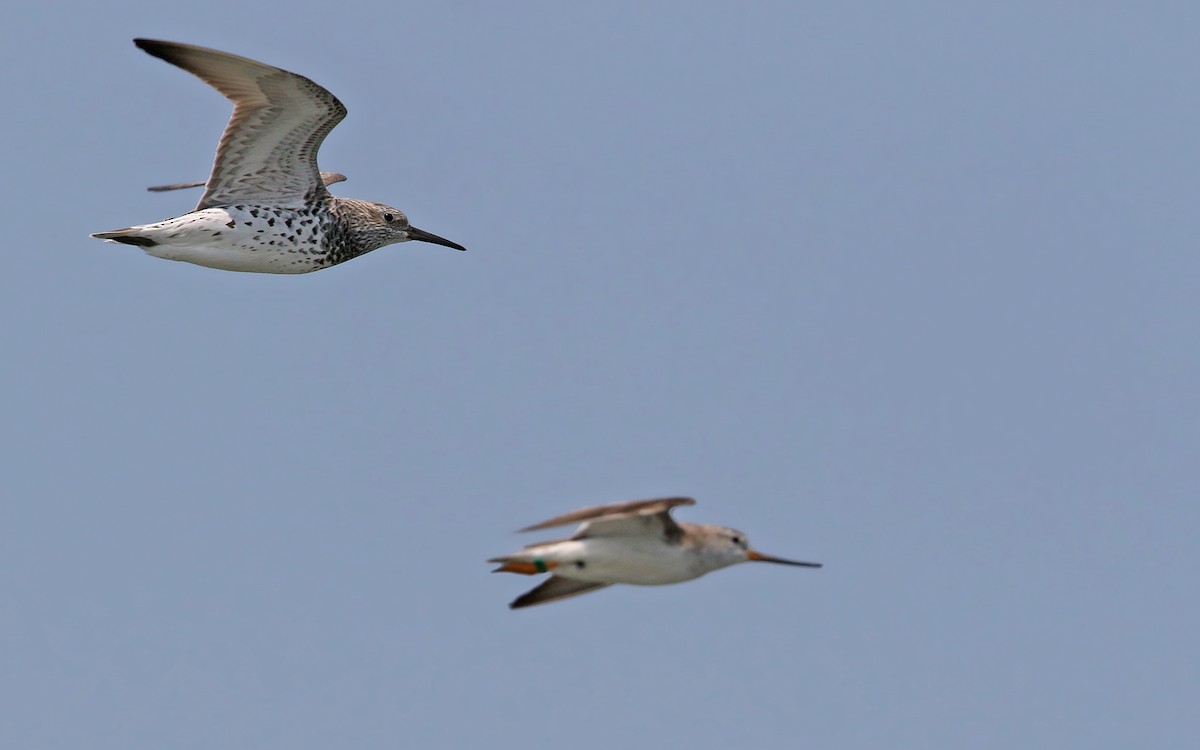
[(636, 542), (265, 207)]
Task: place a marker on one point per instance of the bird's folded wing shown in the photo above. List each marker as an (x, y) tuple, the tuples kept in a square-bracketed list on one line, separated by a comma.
[(614, 511)]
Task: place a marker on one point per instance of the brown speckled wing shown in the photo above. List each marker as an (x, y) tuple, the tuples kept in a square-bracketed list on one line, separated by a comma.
[(553, 589), (268, 153)]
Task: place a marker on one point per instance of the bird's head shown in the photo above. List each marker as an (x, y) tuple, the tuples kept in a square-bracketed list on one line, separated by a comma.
[(387, 225), (730, 546)]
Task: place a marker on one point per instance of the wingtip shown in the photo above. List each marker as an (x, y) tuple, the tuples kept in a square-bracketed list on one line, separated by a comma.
[(152, 47), (174, 186), (158, 48), (554, 589), (527, 600)]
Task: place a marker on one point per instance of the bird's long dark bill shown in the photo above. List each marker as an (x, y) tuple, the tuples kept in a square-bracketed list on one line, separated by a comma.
[(423, 236), (767, 558)]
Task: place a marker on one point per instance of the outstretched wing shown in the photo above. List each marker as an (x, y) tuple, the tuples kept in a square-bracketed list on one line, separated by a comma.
[(328, 178), (268, 153), (553, 589), (630, 518)]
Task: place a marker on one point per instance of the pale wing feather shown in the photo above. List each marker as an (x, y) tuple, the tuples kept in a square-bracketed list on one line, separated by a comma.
[(614, 511), (268, 153), (656, 525)]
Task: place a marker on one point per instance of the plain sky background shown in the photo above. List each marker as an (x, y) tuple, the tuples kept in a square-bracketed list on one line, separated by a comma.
[(910, 289)]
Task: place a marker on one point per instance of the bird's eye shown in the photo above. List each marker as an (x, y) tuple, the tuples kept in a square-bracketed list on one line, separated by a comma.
[(580, 564), (388, 218), (736, 540)]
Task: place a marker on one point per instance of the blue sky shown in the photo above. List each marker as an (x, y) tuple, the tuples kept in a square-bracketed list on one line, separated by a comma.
[(908, 289)]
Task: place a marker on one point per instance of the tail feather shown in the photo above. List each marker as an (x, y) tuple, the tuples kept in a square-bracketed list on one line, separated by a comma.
[(523, 565), (126, 237)]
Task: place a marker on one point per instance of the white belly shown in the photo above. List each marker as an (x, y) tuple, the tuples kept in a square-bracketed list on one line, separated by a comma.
[(642, 562), (235, 239)]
